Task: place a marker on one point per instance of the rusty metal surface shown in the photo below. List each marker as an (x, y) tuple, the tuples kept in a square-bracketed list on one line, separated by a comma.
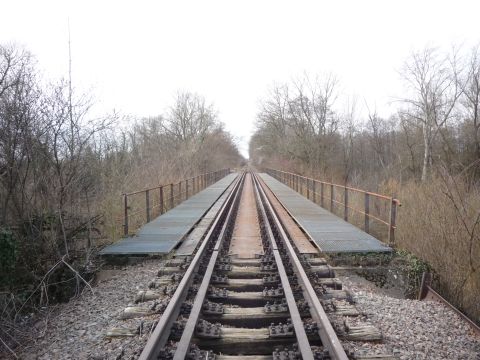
[(327, 334), (184, 343), (303, 343), (161, 235), (426, 293), (246, 240), (161, 333), (330, 233), (304, 245)]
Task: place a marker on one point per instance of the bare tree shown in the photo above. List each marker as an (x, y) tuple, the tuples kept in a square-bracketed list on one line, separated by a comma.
[(298, 121), (18, 102), (471, 99), (435, 84), (190, 117)]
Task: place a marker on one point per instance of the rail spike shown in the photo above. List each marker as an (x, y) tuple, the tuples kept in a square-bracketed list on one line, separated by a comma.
[(212, 308), (272, 292), (196, 354), (287, 353), (276, 307), (208, 330), (281, 330)]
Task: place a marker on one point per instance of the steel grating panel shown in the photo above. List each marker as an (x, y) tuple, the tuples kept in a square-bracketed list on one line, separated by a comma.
[(161, 235), (330, 233), (188, 246)]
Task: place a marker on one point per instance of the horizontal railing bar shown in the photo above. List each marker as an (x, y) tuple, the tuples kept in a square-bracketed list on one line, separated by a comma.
[(343, 187), (176, 183)]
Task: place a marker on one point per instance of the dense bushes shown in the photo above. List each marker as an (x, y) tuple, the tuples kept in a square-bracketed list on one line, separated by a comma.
[(62, 172)]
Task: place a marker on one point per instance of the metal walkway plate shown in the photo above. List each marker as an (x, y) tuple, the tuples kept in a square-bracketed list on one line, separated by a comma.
[(161, 235), (188, 246), (331, 233)]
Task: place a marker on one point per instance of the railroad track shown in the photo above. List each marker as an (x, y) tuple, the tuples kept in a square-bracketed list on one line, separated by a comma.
[(256, 288)]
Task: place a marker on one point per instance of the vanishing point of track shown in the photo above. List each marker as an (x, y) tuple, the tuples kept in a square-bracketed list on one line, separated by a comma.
[(245, 292)]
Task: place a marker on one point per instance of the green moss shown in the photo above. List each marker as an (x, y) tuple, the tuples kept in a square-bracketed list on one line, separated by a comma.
[(414, 267)]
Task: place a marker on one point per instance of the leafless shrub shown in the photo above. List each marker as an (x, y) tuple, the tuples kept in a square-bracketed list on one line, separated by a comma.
[(440, 222)]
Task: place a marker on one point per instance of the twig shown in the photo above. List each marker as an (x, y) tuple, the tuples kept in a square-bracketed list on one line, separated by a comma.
[(41, 282), (8, 348), (77, 274)]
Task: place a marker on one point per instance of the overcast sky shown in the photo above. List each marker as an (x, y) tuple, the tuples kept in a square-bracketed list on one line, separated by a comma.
[(136, 55)]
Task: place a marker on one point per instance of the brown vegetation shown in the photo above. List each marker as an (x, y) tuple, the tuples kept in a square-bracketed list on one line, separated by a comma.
[(62, 172), (426, 154)]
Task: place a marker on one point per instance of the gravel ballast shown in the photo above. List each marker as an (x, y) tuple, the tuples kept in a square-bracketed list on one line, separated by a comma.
[(76, 330), (413, 329)]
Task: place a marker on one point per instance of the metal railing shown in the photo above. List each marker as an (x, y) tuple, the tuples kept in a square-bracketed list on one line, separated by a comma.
[(337, 196), (161, 198)]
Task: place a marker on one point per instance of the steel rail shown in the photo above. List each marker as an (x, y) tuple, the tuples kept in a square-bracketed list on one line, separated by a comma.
[(302, 339), (161, 333), (183, 346), (327, 334)]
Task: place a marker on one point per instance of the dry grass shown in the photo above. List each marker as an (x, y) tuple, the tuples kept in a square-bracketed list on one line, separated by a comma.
[(439, 222)]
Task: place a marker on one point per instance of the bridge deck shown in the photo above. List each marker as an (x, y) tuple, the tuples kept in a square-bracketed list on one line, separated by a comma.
[(162, 234), (327, 230)]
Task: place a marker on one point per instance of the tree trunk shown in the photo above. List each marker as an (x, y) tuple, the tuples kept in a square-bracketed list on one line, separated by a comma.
[(426, 154)]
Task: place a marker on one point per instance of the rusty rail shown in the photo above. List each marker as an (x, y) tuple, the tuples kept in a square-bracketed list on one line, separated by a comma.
[(168, 197), (427, 293), (310, 187), (326, 332)]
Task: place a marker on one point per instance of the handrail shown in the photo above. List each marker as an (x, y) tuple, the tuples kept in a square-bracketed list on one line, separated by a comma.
[(300, 183), (168, 198), (181, 181)]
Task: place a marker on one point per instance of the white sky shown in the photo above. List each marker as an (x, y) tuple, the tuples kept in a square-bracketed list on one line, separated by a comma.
[(136, 55)]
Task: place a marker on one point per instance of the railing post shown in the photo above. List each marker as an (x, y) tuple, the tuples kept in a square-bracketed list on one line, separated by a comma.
[(322, 191), (297, 181), (147, 204), (367, 213), (345, 206), (308, 189), (125, 212), (314, 191), (393, 215), (332, 191), (186, 189), (179, 199), (161, 200), (171, 196)]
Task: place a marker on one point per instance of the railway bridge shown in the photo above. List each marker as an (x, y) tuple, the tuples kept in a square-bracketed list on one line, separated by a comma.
[(251, 265), (247, 274)]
